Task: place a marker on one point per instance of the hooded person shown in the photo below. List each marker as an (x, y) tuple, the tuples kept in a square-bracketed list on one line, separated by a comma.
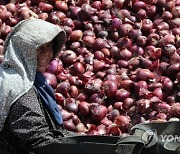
[(28, 110)]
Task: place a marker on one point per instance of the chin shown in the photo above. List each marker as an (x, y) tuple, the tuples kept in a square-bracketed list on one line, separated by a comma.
[(42, 70)]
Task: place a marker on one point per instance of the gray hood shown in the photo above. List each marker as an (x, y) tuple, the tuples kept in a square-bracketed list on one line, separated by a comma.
[(17, 71)]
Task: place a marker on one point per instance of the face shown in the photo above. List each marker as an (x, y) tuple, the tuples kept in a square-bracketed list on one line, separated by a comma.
[(44, 56)]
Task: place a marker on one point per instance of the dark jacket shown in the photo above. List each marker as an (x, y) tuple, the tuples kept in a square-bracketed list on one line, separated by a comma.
[(28, 125)]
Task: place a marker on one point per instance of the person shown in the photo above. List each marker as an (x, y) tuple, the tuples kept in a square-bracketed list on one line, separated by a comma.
[(28, 111)]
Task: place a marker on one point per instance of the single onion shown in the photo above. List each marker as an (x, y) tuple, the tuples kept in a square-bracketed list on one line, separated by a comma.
[(98, 98), (123, 122), (76, 35), (175, 110), (84, 108), (63, 88), (77, 68), (61, 6), (164, 108), (66, 115), (59, 98), (68, 57), (71, 105), (45, 7), (122, 94), (69, 125), (80, 128), (144, 74), (127, 103), (110, 88), (55, 66), (51, 79), (98, 112), (116, 23)]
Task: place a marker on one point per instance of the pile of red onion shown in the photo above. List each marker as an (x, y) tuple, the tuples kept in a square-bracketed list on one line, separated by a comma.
[(120, 65)]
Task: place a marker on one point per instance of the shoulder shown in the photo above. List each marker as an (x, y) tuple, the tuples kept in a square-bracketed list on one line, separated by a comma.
[(29, 99), (31, 93)]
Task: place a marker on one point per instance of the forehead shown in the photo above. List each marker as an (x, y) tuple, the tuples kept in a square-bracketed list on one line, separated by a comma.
[(47, 45)]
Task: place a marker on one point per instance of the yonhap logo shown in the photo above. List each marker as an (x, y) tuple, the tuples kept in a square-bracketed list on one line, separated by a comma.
[(150, 138)]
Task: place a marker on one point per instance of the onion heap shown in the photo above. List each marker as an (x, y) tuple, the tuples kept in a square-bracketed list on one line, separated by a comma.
[(120, 65)]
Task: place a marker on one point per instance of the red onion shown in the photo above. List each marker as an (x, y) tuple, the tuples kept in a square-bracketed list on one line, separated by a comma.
[(135, 33), (4, 15), (80, 128), (142, 106), (69, 125), (110, 88), (61, 6), (158, 92), (164, 108), (96, 4), (106, 4), (82, 96), (74, 92), (88, 41), (55, 67), (139, 5), (98, 98), (68, 57), (5, 29), (136, 119), (168, 86), (93, 86), (144, 74), (122, 94), (141, 14), (98, 112), (124, 42), (77, 68), (86, 11), (11, 7), (153, 38), (141, 41), (127, 103), (66, 115), (45, 7), (173, 69), (126, 84), (176, 11), (98, 65), (175, 110), (69, 22), (106, 121), (123, 122), (151, 10), (166, 15), (84, 108), (76, 119), (59, 98), (125, 29), (116, 23), (51, 79), (63, 88), (76, 35), (71, 105), (100, 44), (147, 24)]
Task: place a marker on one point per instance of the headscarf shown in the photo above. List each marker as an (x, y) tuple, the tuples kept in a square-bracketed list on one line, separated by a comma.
[(17, 71)]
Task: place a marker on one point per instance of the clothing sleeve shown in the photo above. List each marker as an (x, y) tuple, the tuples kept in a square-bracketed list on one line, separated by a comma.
[(28, 124)]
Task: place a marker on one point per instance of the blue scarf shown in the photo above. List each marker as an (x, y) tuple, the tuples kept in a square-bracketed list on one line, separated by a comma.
[(48, 98)]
